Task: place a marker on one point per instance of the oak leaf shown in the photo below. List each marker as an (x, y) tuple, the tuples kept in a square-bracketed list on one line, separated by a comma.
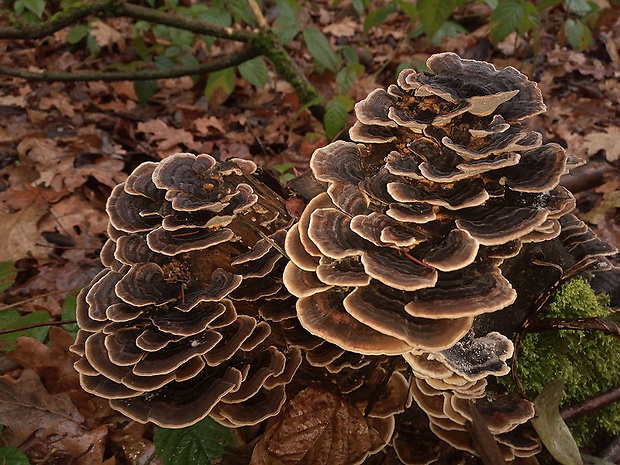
[(19, 233), (26, 407), (607, 141)]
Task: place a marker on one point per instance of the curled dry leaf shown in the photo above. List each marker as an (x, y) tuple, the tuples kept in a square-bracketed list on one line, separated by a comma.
[(26, 407), (550, 427), (316, 427)]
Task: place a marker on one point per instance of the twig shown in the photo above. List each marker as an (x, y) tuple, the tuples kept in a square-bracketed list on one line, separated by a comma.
[(116, 8), (59, 21), (579, 324), (594, 403), (38, 325), (142, 75), (25, 301), (182, 22), (260, 19)]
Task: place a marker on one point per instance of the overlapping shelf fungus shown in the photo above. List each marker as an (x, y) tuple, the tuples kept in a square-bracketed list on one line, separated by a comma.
[(379, 300)]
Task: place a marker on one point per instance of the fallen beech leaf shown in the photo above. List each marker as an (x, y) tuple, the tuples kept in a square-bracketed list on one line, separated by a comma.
[(316, 428), (54, 364), (26, 407), (106, 36), (19, 234), (550, 427), (607, 141)]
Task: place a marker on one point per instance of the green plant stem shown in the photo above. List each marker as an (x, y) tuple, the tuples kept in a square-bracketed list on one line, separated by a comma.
[(38, 325), (141, 75)]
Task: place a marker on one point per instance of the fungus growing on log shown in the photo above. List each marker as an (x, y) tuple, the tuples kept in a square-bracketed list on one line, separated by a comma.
[(171, 330)]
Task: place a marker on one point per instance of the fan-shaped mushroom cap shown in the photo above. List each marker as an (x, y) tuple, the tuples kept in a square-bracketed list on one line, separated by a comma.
[(172, 331), (440, 184)]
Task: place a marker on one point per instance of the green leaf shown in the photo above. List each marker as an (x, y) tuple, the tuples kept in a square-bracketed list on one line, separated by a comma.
[(544, 4), (145, 90), (506, 19), (492, 3), (12, 456), (7, 275), (347, 76), (447, 29), (194, 445), (550, 427), (578, 34), (433, 14), (36, 6), (77, 33), (223, 81), (358, 6), (409, 9), (531, 18), (320, 48), (376, 17), (11, 319), (254, 71), (68, 313), (350, 55), (286, 25), (335, 117), (579, 7), (283, 167)]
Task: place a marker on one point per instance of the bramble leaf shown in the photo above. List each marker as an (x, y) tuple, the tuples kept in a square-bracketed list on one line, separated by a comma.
[(194, 445), (320, 48)]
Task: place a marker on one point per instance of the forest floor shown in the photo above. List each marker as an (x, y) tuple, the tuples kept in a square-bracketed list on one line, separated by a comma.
[(63, 146)]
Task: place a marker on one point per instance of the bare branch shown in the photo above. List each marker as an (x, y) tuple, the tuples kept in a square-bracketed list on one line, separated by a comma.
[(182, 22), (142, 75), (260, 19), (589, 405), (578, 324), (38, 325), (57, 22), (116, 8)]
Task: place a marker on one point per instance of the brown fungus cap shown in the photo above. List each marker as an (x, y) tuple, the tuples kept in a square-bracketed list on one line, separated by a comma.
[(171, 331), (441, 183)]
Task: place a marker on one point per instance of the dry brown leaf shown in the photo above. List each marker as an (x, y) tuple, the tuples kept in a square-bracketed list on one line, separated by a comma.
[(106, 36), (19, 233), (168, 137), (26, 407), (609, 141), (316, 428), (208, 125), (53, 364)]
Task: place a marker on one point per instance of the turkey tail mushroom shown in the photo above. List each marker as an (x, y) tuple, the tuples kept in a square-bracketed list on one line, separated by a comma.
[(404, 252), (170, 332)]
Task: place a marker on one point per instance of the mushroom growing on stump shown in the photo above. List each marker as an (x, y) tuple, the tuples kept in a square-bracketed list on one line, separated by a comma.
[(170, 330), (403, 252)]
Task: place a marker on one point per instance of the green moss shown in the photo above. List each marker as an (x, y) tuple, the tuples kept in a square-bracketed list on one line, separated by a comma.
[(586, 360)]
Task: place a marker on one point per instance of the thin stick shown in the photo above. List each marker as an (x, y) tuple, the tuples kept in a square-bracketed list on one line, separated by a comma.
[(38, 325), (589, 405), (578, 324), (30, 299), (260, 19), (142, 75)]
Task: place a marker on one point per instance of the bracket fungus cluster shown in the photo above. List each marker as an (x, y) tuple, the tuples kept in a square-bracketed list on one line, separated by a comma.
[(215, 302), (169, 331)]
